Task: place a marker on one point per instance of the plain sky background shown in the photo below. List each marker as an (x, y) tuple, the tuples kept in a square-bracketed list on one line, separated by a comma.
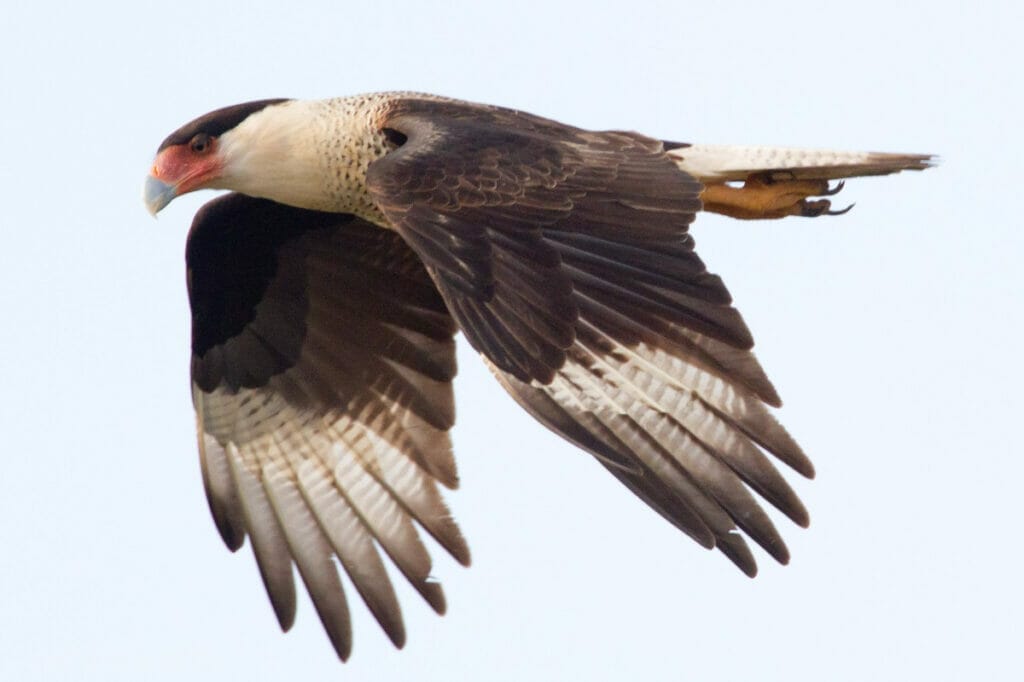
[(893, 334)]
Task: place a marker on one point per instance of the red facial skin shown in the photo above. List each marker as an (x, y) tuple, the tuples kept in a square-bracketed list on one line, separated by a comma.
[(188, 166)]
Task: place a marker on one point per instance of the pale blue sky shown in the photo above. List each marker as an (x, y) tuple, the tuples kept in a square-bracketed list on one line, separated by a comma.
[(892, 334)]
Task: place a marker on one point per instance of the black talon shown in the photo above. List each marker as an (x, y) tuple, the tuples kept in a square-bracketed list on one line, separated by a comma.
[(835, 190), (813, 209), (845, 210)]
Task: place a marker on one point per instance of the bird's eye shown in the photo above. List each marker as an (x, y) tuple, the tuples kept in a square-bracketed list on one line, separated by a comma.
[(200, 143)]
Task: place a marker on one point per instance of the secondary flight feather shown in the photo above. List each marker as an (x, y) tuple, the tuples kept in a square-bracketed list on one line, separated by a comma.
[(362, 233)]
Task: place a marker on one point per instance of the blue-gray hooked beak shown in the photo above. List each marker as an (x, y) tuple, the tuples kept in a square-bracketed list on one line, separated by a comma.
[(157, 194)]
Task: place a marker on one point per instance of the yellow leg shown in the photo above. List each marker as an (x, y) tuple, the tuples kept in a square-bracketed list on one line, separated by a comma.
[(761, 197)]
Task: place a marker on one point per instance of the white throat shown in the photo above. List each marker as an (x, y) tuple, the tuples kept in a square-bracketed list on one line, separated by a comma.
[(274, 154)]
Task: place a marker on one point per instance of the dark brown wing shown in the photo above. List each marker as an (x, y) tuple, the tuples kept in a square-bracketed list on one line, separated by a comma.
[(564, 255), (321, 373)]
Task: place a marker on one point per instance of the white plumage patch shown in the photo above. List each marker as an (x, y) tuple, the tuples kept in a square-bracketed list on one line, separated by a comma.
[(723, 162), (279, 152)]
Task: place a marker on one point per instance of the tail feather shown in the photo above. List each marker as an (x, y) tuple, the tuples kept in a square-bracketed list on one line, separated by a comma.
[(714, 163)]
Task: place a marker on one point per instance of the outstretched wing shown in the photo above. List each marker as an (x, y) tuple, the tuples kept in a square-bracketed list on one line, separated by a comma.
[(564, 255), (321, 376)]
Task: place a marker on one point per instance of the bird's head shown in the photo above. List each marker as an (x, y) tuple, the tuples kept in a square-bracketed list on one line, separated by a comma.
[(208, 152)]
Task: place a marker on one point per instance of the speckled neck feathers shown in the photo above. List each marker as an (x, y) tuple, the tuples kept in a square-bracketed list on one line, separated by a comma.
[(310, 154)]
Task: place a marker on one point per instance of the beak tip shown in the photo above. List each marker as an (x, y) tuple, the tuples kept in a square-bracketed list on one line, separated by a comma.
[(157, 194)]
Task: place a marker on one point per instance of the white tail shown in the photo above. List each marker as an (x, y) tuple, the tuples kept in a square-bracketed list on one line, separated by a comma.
[(725, 163)]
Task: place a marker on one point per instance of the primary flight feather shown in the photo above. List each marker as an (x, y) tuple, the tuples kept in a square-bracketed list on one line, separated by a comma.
[(364, 232)]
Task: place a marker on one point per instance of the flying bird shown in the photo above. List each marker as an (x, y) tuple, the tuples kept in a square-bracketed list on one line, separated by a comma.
[(362, 233)]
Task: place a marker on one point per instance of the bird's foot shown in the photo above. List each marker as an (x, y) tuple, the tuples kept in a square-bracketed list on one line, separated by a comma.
[(769, 196)]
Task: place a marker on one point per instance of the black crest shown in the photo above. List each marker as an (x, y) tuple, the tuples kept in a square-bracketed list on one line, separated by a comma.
[(217, 122)]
